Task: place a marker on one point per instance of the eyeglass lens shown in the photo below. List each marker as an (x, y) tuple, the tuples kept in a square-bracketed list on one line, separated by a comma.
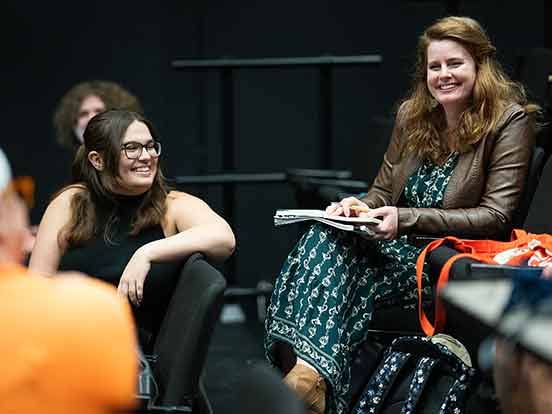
[(134, 150)]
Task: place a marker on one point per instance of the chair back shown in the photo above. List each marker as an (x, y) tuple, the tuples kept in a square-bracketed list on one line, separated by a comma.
[(536, 167), (534, 71), (308, 185), (185, 333)]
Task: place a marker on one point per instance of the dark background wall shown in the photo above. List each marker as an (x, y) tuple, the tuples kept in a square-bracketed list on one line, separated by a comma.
[(276, 118)]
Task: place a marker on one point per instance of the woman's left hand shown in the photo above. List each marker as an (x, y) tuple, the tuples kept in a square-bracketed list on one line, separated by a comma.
[(387, 229), (131, 285)]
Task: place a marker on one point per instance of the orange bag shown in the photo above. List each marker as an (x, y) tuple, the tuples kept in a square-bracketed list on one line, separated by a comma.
[(523, 248)]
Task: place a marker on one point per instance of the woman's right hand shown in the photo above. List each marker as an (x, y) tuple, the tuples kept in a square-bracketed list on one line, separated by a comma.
[(343, 208), (131, 284)]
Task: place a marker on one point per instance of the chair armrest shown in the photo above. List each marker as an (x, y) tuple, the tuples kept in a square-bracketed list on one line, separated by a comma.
[(338, 183), (421, 240), (315, 192), (495, 271), (237, 294), (299, 173), (152, 409), (170, 409), (229, 179)]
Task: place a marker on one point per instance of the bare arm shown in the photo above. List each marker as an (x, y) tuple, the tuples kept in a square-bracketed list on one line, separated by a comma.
[(47, 250), (191, 226), (194, 227)]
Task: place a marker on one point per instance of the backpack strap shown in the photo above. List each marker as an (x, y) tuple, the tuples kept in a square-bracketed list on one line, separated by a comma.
[(518, 234), (428, 328), (417, 384), (466, 249), (381, 382), (456, 396), (440, 314)]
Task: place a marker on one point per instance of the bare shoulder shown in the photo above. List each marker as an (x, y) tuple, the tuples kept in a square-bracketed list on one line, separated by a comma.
[(59, 211), (178, 200), (49, 246), (185, 210), (178, 195), (64, 197)]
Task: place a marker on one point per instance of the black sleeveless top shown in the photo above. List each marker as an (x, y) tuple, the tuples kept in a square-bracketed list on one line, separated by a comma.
[(107, 261)]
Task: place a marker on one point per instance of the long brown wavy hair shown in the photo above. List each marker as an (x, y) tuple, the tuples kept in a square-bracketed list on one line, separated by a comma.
[(424, 121), (113, 95), (94, 208)]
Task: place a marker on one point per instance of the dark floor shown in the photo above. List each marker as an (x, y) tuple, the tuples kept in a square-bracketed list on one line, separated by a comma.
[(234, 347)]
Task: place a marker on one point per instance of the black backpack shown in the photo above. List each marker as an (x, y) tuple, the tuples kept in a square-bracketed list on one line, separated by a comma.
[(418, 376)]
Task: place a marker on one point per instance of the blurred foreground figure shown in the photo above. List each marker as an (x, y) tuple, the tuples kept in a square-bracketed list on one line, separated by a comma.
[(517, 310), (523, 380), (69, 342), (523, 355)]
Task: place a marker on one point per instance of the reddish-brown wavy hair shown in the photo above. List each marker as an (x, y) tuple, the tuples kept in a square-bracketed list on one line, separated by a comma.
[(423, 119)]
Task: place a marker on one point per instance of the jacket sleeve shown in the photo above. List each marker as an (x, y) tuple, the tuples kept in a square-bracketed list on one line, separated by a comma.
[(505, 177), (380, 193)]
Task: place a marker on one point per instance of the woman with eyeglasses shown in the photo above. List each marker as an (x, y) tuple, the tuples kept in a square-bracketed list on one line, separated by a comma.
[(118, 222)]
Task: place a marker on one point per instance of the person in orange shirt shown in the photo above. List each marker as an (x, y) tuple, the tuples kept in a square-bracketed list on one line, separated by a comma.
[(68, 342)]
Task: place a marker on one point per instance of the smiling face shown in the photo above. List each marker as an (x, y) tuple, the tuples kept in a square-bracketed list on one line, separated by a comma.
[(136, 176), (451, 73)]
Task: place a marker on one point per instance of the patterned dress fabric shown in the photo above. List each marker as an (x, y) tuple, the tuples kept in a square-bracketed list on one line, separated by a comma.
[(332, 281)]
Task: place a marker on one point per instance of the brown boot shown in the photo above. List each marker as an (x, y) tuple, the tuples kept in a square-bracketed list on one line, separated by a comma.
[(309, 386)]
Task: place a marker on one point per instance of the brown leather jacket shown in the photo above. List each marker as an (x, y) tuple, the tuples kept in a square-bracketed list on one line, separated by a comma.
[(484, 189)]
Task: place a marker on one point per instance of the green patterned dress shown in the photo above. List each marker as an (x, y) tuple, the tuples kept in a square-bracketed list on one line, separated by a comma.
[(332, 281)]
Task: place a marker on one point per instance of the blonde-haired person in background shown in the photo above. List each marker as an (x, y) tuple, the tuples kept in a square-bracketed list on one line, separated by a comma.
[(69, 342), (456, 164), (82, 102)]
